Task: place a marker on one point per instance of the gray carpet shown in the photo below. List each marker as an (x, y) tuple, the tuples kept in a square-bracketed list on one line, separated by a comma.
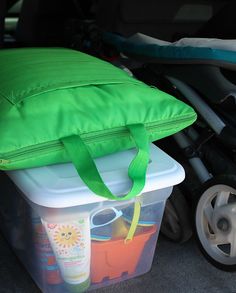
[(176, 268)]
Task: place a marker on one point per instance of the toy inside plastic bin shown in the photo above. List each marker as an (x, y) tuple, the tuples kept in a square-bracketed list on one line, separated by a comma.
[(117, 249), (71, 240)]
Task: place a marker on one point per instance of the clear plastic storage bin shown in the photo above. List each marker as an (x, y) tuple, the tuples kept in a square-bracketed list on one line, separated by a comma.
[(71, 240)]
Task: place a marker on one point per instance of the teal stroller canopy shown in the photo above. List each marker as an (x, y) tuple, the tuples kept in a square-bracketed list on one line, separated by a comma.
[(185, 51)]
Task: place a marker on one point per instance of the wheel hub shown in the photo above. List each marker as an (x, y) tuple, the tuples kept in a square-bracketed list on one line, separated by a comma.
[(224, 217), (223, 225)]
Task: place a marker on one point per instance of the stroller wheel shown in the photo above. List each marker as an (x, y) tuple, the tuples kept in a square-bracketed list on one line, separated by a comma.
[(215, 222), (176, 224)]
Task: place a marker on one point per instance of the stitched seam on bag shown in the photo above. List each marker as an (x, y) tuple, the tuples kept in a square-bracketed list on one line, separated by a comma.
[(30, 156), (48, 151), (146, 124), (63, 85), (44, 140), (6, 98)]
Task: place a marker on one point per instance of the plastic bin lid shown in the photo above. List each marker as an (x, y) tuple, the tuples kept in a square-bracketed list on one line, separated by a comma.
[(60, 186)]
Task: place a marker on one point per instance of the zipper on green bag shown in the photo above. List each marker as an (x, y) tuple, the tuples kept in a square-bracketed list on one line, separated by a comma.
[(53, 146), (87, 138)]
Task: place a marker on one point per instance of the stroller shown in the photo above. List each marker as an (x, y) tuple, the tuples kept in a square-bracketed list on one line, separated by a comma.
[(202, 72)]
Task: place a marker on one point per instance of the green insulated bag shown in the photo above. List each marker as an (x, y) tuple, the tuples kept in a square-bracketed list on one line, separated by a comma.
[(59, 105)]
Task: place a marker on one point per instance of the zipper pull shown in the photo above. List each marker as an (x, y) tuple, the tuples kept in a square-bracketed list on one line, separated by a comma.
[(3, 162)]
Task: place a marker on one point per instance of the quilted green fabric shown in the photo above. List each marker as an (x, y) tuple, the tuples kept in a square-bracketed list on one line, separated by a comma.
[(52, 96)]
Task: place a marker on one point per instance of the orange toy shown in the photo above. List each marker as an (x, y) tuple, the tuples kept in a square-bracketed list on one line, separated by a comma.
[(114, 257)]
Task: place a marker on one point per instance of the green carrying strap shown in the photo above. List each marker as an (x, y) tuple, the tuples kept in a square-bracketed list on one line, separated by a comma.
[(86, 168)]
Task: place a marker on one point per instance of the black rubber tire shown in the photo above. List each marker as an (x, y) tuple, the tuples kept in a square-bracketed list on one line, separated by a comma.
[(229, 180), (176, 223)]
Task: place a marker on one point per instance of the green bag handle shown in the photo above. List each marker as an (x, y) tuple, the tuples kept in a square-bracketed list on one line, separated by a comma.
[(86, 168)]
